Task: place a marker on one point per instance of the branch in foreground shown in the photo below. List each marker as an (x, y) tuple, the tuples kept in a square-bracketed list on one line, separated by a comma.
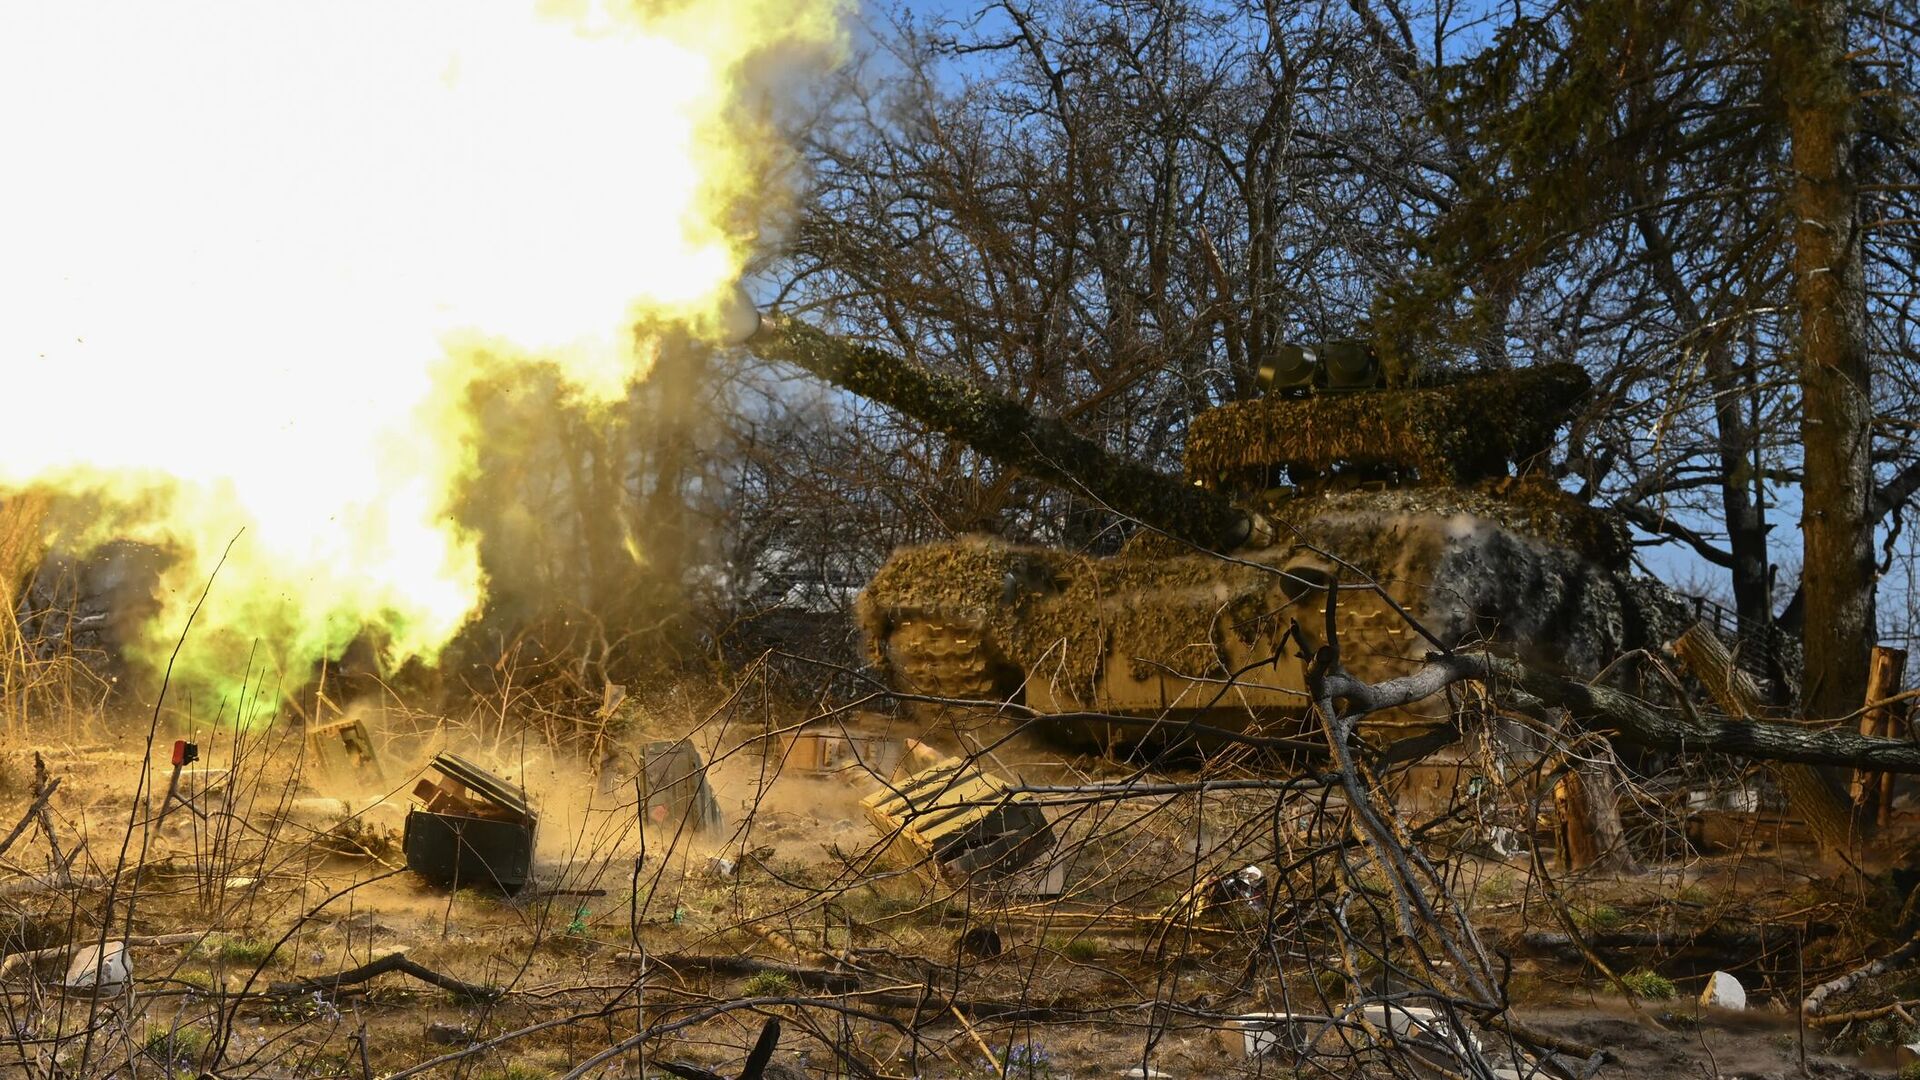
[(1632, 719)]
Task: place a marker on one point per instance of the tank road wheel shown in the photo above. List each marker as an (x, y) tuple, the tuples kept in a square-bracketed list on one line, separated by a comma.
[(948, 658)]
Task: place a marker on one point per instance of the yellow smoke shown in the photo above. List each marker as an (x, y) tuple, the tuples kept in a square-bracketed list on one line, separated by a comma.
[(250, 253)]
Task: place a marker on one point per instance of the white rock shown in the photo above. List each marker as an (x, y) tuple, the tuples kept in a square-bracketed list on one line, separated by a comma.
[(1139, 1073), (97, 968), (1723, 992)]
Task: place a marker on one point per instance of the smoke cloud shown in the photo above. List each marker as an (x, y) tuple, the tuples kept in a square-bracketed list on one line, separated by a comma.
[(257, 253)]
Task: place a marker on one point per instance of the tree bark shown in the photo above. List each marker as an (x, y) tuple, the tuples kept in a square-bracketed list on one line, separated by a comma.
[(1811, 793), (1579, 847), (1809, 52)]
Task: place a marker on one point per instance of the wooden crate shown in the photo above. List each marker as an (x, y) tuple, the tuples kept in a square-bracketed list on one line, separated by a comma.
[(844, 753), (957, 825)]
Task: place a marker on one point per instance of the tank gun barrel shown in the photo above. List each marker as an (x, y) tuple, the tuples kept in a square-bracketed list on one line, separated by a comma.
[(1041, 446)]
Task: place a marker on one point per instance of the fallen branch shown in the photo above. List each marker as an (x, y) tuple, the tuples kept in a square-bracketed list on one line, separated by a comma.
[(392, 962), (1632, 719), (39, 803), (36, 957), (849, 985), (1897, 1008), (1816, 1002)]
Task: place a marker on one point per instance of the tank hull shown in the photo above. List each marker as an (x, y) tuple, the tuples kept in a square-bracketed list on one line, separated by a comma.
[(1162, 642)]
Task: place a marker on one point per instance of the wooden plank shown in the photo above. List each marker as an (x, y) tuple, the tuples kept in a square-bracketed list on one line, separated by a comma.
[(1872, 791)]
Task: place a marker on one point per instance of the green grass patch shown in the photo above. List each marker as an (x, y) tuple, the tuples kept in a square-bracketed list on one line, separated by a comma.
[(1082, 949), (769, 984), (238, 950), (1695, 895), (1498, 889), (1599, 917), (1648, 984), (176, 1046)]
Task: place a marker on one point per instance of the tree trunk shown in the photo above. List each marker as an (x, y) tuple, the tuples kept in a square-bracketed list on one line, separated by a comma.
[(1587, 802), (1579, 847), (1829, 291), (1811, 794)]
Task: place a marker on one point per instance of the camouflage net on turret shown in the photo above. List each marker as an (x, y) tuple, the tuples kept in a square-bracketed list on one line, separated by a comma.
[(1465, 429)]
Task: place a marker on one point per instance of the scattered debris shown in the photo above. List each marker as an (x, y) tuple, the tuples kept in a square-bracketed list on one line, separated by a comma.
[(1723, 992), (1236, 896), (344, 748), (1257, 1035), (838, 752), (469, 828), (953, 823), (674, 789), (97, 967), (1244, 888), (445, 1034), (184, 753)]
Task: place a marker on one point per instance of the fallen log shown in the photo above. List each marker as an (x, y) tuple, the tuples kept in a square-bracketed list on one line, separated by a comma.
[(1810, 792), (838, 982), (1615, 712)]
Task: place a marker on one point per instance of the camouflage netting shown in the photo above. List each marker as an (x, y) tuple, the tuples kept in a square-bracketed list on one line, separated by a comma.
[(1058, 615), (1530, 507), (1469, 428), (1451, 558)]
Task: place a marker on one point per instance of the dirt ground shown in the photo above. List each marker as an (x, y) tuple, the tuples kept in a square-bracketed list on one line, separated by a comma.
[(284, 873)]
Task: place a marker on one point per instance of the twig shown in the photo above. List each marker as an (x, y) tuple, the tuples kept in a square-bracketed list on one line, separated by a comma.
[(33, 812)]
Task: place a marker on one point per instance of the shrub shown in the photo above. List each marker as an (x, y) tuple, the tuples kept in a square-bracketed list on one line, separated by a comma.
[(1648, 984)]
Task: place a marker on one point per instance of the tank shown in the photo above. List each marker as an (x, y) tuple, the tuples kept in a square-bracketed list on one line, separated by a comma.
[(1430, 498)]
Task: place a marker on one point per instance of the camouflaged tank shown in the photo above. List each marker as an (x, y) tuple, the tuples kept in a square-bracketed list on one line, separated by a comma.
[(1210, 612)]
